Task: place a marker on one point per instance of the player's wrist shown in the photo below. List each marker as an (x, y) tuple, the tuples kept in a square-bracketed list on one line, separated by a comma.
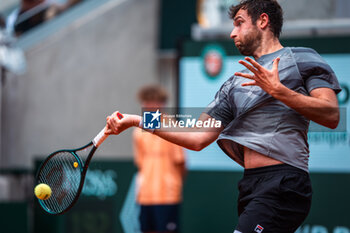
[(278, 91), (137, 121)]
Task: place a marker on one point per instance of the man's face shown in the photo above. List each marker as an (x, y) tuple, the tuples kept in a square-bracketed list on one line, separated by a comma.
[(246, 35)]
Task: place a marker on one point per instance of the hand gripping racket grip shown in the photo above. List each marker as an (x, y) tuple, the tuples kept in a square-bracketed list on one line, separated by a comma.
[(101, 136)]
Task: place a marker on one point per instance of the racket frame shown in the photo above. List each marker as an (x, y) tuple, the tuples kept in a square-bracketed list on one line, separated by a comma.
[(83, 170), (95, 143)]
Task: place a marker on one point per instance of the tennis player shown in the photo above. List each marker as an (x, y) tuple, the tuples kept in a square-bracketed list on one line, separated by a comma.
[(265, 111)]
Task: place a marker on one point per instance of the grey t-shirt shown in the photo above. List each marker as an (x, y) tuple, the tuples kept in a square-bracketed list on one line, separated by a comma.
[(254, 119)]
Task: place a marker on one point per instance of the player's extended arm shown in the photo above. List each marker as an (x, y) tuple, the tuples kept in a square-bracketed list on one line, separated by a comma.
[(321, 106), (193, 138)]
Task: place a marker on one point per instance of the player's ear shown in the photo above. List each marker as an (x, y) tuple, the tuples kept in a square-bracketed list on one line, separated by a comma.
[(263, 21)]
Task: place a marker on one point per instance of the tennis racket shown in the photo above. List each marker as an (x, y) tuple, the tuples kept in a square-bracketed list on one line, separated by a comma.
[(64, 171)]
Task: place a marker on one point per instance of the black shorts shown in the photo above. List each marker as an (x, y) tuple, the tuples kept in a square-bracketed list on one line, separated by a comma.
[(273, 199), (159, 218)]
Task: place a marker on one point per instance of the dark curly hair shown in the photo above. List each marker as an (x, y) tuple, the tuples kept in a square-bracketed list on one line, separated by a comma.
[(257, 7)]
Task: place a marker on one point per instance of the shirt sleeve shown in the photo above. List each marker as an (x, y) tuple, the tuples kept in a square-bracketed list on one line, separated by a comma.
[(221, 108), (316, 73)]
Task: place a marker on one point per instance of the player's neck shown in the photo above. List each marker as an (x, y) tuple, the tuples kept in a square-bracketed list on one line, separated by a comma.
[(268, 46)]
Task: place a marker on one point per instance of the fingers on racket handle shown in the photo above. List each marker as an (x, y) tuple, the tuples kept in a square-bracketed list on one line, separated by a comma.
[(101, 136)]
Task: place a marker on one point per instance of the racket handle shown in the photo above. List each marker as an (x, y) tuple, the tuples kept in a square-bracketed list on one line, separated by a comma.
[(101, 136)]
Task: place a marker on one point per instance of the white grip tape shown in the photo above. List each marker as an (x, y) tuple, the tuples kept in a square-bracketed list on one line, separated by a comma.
[(101, 136)]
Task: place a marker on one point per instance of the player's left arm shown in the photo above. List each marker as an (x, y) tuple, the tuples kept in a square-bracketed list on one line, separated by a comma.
[(321, 106)]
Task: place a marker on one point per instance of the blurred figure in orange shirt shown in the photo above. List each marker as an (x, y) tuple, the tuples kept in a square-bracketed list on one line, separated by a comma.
[(161, 166)]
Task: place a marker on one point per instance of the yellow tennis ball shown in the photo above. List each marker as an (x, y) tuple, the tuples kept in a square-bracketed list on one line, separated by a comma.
[(42, 191), (75, 164)]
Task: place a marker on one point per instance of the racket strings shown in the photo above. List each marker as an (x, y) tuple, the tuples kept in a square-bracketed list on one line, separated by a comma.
[(63, 177)]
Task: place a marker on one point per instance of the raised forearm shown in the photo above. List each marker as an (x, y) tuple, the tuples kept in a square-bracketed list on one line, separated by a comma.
[(191, 138), (321, 106)]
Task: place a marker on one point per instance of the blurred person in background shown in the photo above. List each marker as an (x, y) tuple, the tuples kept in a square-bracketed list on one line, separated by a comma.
[(31, 13), (264, 111), (2, 22), (161, 171), (11, 56), (59, 6)]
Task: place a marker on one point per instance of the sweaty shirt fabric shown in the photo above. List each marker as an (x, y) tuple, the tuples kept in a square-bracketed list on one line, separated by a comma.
[(254, 119)]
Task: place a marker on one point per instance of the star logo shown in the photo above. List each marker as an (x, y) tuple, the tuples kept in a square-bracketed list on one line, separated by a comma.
[(151, 120), (156, 115)]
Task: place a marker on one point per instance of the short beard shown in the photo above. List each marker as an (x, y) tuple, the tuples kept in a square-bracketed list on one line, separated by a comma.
[(251, 42)]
